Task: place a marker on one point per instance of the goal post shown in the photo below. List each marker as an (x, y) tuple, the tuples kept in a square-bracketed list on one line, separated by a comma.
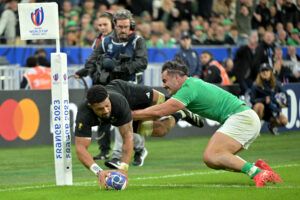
[(40, 21)]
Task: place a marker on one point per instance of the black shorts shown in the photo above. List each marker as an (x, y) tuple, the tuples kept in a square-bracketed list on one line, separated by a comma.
[(138, 96)]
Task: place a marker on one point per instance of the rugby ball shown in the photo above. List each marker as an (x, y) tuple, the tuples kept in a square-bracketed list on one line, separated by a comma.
[(116, 181)]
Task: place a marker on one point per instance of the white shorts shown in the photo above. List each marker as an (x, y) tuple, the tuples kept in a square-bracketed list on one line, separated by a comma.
[(244, 127)]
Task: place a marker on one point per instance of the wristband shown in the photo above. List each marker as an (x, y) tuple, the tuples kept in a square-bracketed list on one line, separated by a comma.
[(95, 168), (124, 166)]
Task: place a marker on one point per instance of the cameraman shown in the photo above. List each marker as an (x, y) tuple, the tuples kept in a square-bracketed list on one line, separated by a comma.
[(263, 98), (120, 55)]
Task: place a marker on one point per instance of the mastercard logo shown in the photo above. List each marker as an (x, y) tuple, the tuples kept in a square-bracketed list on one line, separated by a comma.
[(19, 119)]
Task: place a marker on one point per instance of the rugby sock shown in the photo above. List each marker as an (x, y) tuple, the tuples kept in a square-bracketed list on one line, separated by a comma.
[(250, 169), (145, 128), (178, 115)]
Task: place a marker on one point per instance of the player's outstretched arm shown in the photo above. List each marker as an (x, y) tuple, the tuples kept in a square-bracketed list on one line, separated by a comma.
[(157, 111), (82, 144)]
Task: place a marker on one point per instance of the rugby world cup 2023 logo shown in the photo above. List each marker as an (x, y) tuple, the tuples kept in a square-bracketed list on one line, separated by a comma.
[(37, 17)]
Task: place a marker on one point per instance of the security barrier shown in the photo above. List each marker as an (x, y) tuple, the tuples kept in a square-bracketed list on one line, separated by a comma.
[(11, 76)]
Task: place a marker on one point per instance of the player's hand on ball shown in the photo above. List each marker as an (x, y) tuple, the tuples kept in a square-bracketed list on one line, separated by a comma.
[(102, 176)]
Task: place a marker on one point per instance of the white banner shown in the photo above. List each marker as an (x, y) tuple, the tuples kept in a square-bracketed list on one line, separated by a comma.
[(38, 21)]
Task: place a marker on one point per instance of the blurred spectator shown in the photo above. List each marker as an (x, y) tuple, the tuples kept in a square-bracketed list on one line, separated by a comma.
[(264, 101), (184, 25), (137, 7), (289, 27), (244, 63), (243, 16), (222, 7), (228, 65), (212, 70), (294, 61), (261, 15), (189, 56), (282, 72), (294, 38), (158, 26), (185, 9), (275, 16), (205, 8), (265, 51), (72, 35), (155, 40), (36, 77), (281, 38), (8, 23), (167, 13), (231, 37), (199, 36), (87, 33), (168, 40), (145, 30), (41, 56), (146, 17), (89, 8), (289, 12)]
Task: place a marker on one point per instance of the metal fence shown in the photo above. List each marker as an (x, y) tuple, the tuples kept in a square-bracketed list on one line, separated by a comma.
[(11, 76)]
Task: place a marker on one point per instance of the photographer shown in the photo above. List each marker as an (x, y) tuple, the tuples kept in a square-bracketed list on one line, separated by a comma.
[(268, 98)]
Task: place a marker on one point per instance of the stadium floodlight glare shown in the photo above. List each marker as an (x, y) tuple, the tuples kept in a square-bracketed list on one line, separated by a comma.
[(40, 21)]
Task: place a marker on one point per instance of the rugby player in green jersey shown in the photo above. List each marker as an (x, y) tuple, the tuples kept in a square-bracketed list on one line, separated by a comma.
[(240, 125)]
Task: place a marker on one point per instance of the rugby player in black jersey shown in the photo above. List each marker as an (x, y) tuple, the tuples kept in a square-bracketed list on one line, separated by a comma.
[(112, 104)]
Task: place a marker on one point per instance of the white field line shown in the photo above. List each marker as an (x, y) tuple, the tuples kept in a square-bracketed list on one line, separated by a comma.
[(93, 183)]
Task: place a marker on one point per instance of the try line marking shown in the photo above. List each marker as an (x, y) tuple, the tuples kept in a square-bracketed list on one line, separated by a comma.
[(94, 183)]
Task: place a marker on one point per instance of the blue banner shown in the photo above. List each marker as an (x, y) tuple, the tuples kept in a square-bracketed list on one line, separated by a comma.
[(78, 55)]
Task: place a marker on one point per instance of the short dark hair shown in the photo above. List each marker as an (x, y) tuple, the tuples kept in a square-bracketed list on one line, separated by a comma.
[(109, 16), (208, 53), (31, 61), (176, 66), (96, 94)]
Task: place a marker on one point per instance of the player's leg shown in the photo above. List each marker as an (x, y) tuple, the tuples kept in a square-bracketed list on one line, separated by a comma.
[(259, 109), (139, 147), (157, 128), (116, 152), (237, 133), (140, 151), (103, 140)]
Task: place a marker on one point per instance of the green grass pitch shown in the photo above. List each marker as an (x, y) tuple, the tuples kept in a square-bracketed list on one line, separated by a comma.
[(172, 170)]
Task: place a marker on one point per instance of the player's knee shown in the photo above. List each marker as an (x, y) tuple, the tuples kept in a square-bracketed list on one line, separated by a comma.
[(210, 160), (259, 109), (160, 131), (283, 120)]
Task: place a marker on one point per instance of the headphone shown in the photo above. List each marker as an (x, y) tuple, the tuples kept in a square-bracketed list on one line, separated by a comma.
[(124, 14), (109, 16)]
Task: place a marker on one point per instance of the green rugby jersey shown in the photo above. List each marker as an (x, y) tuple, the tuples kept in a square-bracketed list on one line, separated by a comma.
[(208, 100)]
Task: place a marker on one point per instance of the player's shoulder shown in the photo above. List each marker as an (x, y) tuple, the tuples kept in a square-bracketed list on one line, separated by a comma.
[(84, 111)]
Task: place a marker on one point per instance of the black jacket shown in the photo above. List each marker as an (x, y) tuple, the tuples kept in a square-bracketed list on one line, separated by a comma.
[(124, 67)]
